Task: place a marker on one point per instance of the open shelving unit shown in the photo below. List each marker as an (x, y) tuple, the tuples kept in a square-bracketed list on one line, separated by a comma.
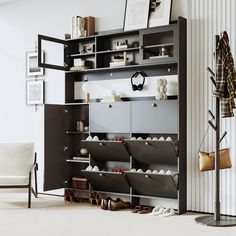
[(142, 117)]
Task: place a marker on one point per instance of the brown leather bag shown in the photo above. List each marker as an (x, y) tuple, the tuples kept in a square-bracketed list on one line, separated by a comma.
[(207, 160)]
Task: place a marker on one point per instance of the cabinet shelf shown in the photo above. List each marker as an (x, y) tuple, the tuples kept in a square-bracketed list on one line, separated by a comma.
[(77, 161), (77, 132), (158, 45), (118, 50), (135, 66), (81, 55)]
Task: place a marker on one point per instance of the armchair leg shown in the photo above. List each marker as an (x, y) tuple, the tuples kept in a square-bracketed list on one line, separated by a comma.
[(36, 181), (29, 192)]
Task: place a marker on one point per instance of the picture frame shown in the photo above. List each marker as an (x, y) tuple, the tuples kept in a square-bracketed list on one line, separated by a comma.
[(136, 14), (34, 92), (32, 68), (160, 13)]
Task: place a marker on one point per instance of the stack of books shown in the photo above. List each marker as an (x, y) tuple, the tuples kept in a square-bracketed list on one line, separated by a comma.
[(114, 98)]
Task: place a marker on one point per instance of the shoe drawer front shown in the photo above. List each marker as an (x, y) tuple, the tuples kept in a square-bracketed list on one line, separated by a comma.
[(155, 117), (107, 181), (110, 117), (152, 184)]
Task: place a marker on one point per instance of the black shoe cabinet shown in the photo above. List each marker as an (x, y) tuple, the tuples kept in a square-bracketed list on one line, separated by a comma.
[(137, 117)]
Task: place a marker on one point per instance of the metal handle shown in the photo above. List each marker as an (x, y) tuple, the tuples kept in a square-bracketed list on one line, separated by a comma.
[(147, 143), (146, 176), (65, 148), (101, 144), (100, 174), (109, 106), (154, 104)]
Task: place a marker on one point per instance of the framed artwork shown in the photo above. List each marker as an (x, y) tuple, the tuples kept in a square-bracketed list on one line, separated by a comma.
[(160, 12), (32, 68), (34, 92), (136, 14)]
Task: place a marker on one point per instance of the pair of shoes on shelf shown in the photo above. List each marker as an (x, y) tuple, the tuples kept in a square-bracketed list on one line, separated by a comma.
[(95, 199), (162, 211), (161, 172), (140, 209), (114, 205), (168, 172), (90, 168), (154, 139), (118, 170), (95, 138)]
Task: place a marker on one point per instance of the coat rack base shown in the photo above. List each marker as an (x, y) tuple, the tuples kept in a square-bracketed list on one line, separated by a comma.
[(225, 221)]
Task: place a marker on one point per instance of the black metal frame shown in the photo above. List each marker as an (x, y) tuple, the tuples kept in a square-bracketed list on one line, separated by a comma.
[(29, 186), (217, 219)]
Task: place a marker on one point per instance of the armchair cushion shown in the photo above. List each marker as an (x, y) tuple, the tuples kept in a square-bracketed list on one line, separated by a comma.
[(16, 160)]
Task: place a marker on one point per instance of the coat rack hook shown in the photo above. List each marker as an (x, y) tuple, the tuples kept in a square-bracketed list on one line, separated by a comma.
[(212, 116), (213, 81), (211, 124), (210, 70), (223, 136)]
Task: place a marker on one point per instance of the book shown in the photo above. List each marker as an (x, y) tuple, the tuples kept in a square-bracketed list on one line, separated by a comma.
[(119, 63), (153, 57)]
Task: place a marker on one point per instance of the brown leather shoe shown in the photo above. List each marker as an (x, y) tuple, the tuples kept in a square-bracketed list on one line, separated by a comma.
[(114, 205), (104, 203)]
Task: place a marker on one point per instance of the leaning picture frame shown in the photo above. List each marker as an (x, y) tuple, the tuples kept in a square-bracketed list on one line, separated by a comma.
[(136, 14), (34, 92), (32, 68), (160, 13)]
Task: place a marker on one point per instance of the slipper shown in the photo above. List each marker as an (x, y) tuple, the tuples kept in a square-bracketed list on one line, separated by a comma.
[(158, 211), (137, 209), (146, 210), (168, 212)]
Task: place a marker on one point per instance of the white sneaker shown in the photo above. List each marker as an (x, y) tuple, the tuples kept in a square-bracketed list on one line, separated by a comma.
[(89, 168), (168, 139), (148, 171), (168, 212), (139, 138), (155, 139), (89, 138), (148, 138), (161, 172), (133, 138), (95, 168), (158, 211), (140, 171), (133, 170), (95, 138), (169, 172), (155, 172), (161, 139)]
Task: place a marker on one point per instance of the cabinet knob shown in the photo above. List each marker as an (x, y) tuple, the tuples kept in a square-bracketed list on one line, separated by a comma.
[(147, 143), (154, 104), (65, 148), (101, 144), (109, 106), (146, 176), (100, 174)]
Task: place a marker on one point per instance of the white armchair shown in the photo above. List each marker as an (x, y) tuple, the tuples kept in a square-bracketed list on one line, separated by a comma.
[(17, 167)]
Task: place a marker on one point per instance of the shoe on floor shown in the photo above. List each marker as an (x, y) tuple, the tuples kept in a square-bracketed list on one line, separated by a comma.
[(157, 211), (168, 212), (137, 209), (146, 210)]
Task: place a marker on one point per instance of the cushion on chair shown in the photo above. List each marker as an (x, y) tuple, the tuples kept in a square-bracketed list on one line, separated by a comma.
[(16, 159), (14, 180)]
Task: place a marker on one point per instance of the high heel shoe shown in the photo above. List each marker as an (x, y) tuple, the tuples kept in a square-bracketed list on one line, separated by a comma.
[(98, 199), (92, 200)]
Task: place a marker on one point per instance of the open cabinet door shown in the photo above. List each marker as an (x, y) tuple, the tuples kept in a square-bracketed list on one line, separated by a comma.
[(56, 152), (55, 50)]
